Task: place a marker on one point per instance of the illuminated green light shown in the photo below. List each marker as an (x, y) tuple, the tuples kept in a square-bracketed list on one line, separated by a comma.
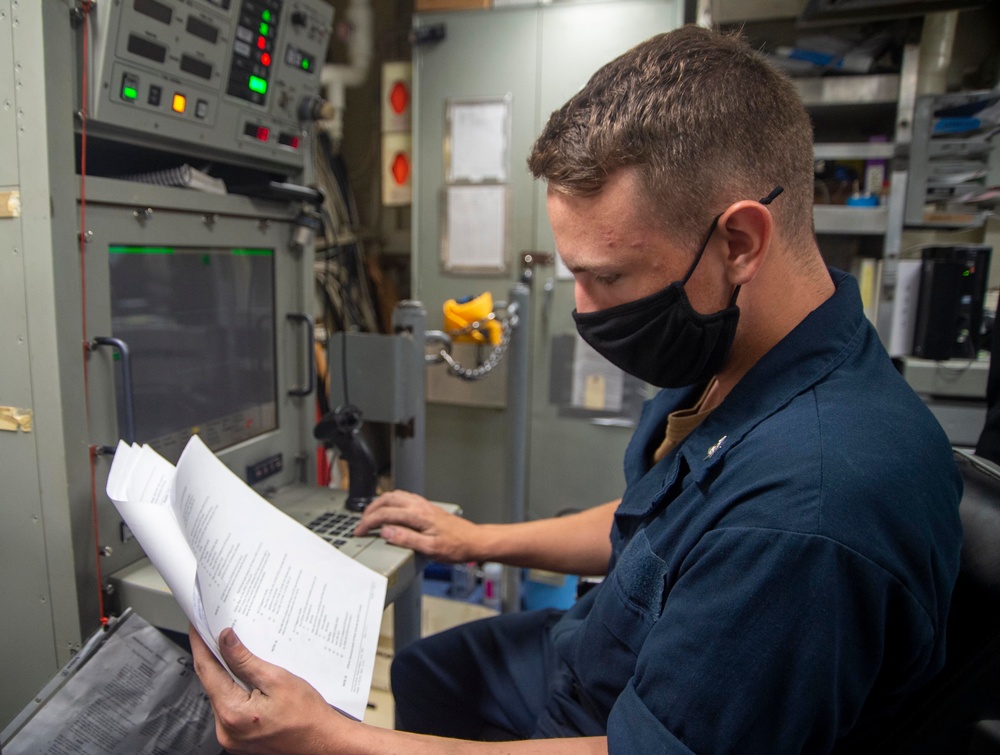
[(264, 29), (140, 250), (253, 252), (257, 84), (266, 15), (966, 273), (129, 93), (305, 63)]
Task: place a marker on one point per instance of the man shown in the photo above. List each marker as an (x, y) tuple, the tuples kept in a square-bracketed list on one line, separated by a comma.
[(780, 566)]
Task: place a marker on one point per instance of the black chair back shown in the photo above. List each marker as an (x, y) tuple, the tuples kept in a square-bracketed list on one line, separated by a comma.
[(941, 718)]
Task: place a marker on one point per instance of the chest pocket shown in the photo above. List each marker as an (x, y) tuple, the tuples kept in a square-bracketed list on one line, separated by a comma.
[(637, 583), (627, 605)]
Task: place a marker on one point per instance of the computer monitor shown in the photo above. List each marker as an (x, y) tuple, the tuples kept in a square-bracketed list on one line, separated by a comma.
[(199, 324), (213, 307)]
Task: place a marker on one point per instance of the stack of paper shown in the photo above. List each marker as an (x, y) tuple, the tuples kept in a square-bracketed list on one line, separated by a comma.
[(233, 560)]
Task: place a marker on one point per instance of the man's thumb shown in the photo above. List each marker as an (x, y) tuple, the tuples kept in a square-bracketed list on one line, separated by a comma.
[(240, 661)]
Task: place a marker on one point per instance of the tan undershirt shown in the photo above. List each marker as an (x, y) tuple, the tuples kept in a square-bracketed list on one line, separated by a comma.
[(682, 423)]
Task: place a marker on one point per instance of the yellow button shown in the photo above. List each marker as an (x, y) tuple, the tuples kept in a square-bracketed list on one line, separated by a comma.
[(179, 103)]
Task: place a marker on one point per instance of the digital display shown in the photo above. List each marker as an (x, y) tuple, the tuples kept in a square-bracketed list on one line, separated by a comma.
[(202, 30), (196, 67), (153, 9), (146, 48), (199, 324)]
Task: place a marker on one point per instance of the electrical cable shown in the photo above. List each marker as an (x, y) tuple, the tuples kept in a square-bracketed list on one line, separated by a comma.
[(85, 8), (340, 212)]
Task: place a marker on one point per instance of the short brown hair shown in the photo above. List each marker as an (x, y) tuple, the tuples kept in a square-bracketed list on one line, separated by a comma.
[(704, 119)]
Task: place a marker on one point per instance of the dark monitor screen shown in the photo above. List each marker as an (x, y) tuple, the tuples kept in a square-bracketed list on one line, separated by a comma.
[(199, 326)]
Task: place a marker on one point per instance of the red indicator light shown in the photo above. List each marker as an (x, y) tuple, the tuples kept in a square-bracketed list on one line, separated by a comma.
[(262, 133), (261, 43), (265, 59), (400, 168), (294, 142), (399, 97)]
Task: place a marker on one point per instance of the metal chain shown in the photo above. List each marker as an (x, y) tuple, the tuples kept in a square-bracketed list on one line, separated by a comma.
[(507, 326)]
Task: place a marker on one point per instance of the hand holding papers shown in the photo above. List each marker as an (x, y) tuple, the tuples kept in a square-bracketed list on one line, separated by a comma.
[(232, 559)]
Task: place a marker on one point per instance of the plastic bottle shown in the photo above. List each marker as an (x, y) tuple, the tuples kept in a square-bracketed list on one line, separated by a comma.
[(492, 579), (463, 580)]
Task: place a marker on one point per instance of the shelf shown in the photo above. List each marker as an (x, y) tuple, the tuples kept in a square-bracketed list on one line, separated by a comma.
[(875, 89), (961, 378), (951, 220), (854, 151), (838, 219)]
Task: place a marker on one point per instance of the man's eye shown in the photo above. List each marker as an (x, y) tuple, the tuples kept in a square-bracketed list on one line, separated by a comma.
[(607, 280)]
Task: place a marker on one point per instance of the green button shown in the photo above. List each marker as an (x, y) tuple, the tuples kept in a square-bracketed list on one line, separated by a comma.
[(258, 85)]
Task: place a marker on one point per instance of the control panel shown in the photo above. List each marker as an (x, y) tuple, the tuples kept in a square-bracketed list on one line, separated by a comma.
[(214, 75)]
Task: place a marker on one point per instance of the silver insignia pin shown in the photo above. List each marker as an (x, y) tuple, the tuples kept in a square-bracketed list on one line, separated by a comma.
[(716, 447)]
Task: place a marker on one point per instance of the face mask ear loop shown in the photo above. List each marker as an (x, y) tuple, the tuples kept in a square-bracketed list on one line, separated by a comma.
[(704, 246), (773, 195), (736, 292), (715, 222), (765, 201)]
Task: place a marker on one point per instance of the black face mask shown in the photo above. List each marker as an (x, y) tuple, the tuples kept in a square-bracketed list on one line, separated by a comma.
[(660, 338)]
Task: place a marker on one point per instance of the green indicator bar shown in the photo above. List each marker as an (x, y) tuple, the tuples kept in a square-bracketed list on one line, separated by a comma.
[(253, 252), (257, 84), (129, 93), (266, 15), (264, 29), (305, 63), (140, 250)]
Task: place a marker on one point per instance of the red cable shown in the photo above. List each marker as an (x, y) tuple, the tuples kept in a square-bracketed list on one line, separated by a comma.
[(97, 542), (85, 7)]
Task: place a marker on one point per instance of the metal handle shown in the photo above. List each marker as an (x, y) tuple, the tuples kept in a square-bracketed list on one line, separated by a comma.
[(310, 354), (126, 360), (439, 337)]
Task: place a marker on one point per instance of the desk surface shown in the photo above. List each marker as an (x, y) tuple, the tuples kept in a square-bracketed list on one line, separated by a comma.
[(141, 587)]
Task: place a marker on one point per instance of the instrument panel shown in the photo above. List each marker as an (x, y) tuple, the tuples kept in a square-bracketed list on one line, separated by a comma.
[(216, 76)]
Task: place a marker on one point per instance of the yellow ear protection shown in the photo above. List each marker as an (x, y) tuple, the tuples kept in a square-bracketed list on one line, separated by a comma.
[(471, 319)]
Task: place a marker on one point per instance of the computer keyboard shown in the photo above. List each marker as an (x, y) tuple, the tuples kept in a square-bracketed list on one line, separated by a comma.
[(336, 527)]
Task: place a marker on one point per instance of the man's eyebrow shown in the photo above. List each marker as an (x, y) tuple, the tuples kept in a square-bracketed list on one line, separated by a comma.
[(580, 267)]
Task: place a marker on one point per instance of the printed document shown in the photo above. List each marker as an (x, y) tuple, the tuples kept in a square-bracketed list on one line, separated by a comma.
[(129, 690), (233, 560)]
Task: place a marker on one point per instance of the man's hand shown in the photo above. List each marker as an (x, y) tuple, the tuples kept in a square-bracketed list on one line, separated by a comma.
[(281, 714), (411, 521), (284, 715)]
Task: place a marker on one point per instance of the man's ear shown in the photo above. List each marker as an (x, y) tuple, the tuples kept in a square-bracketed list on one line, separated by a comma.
[(745, 228)]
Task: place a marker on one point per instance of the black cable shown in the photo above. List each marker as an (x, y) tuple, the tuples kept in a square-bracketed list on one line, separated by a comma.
[(343, 365)]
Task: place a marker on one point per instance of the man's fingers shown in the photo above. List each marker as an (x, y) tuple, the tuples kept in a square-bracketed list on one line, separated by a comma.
[(242, 662), (214, 677), (405, 537), (414, 518)]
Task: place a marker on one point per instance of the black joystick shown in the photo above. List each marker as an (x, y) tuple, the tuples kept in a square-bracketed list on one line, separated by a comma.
[(341, 428)]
